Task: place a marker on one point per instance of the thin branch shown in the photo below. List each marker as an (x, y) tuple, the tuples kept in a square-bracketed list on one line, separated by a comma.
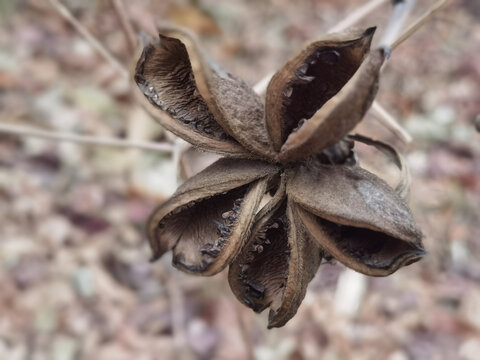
[(390, 123), (355, 16), (84, 139), (396, 23), (420, 22), (179, 319), (243, 330), (126, 24), (65, 12), (401, 10)]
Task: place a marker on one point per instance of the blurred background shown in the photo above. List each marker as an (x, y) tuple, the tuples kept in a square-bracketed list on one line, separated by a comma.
[(76, 281)]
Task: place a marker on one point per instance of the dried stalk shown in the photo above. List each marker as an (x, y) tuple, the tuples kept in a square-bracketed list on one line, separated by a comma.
[(177, 303), (401, 10), (84, 139), (245, 334), (390, 123), (126, 25), (97, 45), (419, 22)]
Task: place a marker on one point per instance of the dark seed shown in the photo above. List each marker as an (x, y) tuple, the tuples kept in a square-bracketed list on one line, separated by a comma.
[(303, 69), (219, 225), (287, 92), (306, 79), (210, 250), (227, 214), (330, 57), (256, 289)]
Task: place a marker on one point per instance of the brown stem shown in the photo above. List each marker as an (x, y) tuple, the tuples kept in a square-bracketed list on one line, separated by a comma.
[(400, 12), (84, 139), (97, 45), (126, 24), (420, 22)]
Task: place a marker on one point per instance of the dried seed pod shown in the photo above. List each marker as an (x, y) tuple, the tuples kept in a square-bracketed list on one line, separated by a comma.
[(357, 218), (321, 203), (340, 114), (306, 82), (278, 275), (165, 76), (191, 224), (225, 103)]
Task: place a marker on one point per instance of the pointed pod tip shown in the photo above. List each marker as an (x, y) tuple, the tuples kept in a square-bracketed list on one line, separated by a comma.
[(364, 40), (410, 258), (370, 31), (273, 321), (415, 256), (367, 36)]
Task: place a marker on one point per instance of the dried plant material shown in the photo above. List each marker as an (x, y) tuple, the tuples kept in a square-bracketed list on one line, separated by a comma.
[(403, 186), (298, 194), (305, 256), (234, 106), (275, 266), (258, 275), (357, 218), (204, 221), (340, 114), (310, 79), (224, 147), (165, 76)]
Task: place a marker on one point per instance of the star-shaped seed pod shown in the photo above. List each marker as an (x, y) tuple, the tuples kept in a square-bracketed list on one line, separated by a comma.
[(289, 191)]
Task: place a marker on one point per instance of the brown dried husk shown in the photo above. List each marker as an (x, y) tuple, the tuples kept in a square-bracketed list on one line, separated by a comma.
[(403, 186), (306, 82), (192, 222), (276, 264), (356, 217), (324, 203), (339, 115), (231, 102)]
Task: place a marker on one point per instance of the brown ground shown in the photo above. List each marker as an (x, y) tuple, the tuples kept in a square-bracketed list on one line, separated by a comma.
[(74, 272)]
